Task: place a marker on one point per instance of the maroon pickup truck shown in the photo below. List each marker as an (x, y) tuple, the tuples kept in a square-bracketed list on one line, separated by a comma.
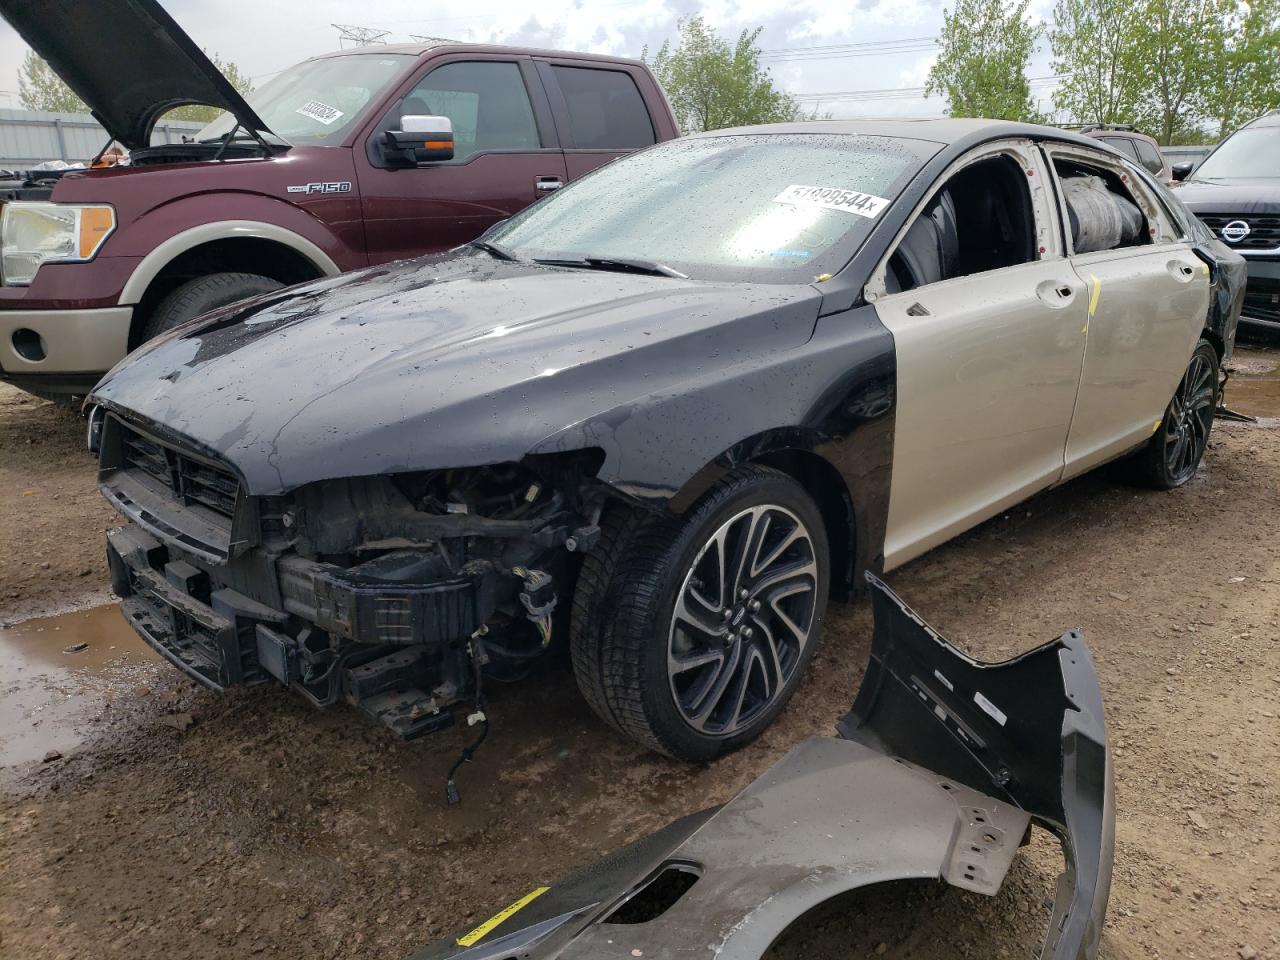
[(307, 178)]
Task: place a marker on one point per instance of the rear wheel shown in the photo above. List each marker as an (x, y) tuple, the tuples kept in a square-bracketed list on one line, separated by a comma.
[(707, 621), (201, 295), (1175, 450)]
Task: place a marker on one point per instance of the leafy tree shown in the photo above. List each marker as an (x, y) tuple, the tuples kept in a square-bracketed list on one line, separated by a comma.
[(39, 88), (982, 70), (1183, 46), (1096, 53), (713, 84), (1249, 83)]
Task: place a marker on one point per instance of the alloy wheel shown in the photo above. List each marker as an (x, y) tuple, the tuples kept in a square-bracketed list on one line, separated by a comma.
[(1186, 430), (745, 612)]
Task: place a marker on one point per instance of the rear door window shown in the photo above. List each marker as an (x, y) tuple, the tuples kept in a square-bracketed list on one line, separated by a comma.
[(606, 111), (1123, 144), (487, 102), (1148, 156)]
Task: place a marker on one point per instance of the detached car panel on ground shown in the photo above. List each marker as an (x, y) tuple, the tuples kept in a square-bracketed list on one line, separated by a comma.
[(667, 411), (938, 771)]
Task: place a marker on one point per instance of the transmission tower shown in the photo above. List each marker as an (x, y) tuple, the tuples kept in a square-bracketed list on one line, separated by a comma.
[(359, 36)]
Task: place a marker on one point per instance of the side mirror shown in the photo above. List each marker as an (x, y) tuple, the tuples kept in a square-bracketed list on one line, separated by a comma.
[(420, 139), (1182, 170)]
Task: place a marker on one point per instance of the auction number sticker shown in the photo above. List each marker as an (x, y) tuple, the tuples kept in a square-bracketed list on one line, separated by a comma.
[(320, 112), (833, 198)]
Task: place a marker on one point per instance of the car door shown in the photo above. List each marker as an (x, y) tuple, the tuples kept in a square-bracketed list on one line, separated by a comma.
[(599, 111), (1147, 307), (988, 362), (505, 156)]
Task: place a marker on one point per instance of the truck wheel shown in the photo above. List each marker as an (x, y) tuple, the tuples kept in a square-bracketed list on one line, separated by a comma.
[(1173, 453), (201, 295), (708, 620)]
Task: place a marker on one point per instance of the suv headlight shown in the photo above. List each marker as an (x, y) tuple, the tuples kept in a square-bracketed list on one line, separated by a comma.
[(32, 233)]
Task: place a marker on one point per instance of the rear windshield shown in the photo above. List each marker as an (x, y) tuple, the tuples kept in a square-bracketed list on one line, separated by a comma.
[(780, 208), (1252, 153), (316, 101)]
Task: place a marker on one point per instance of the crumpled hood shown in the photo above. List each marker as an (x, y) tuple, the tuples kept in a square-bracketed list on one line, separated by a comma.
[(447, 361), (1230, 196), (127, 59)]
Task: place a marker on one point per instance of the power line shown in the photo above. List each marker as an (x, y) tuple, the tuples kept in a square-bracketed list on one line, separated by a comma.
[(893, 93), (841, 51)]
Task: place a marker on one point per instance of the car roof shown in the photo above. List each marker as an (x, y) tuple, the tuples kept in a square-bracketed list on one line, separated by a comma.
[(951, 131), (451, 46), (1269, 119)]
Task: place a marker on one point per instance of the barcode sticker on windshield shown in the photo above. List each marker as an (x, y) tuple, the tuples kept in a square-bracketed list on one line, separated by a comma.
[(320, 112), (833, 198)]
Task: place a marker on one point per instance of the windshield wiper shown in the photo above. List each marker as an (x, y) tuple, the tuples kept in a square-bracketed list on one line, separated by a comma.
[(496, 249), (621, 264)]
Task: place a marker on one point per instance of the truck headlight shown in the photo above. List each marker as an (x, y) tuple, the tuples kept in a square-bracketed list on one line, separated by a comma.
[(34, 233)]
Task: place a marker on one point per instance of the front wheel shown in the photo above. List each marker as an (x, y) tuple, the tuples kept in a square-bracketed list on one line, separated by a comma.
[(1175, 450), (199, 296), (707, 621)]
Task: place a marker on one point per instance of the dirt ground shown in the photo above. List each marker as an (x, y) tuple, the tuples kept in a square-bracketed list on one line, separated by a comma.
[(191, 825)]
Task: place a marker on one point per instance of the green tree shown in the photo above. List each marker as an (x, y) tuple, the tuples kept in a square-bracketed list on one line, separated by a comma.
[(1182, 45), (712, 83), (39, 88), (1249, 83), (1096, 54), (982, 70)]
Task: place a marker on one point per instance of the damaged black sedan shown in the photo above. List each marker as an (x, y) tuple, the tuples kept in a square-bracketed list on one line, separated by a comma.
[(666, 412)]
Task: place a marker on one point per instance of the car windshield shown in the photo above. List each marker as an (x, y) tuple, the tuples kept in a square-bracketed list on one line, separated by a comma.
[(314, 102), (1252, 153), (782, 208)]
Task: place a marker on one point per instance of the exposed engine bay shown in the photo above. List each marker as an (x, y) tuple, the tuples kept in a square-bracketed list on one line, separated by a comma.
[(396, 593)]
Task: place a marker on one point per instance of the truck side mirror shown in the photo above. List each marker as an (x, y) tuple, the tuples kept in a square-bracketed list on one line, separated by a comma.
[(420, 139), (1180, 171)]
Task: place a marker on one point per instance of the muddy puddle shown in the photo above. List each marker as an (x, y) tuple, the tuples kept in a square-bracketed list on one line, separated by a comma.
[(56, 673), (1254, 387)]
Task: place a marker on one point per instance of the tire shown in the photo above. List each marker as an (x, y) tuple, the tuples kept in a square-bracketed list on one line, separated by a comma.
[(658, 653), (201, 295), (1172, 455)]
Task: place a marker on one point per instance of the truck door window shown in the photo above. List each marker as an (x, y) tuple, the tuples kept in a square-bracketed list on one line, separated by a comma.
[(982, 219), (606, 111), (487, 102)]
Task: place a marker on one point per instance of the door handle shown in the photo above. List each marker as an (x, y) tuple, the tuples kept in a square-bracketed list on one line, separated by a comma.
[(1064, 292), (548, 184), (1182, 272)]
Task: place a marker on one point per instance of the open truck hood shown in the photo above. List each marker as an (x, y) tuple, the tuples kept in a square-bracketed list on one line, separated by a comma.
[(937, 772), (127, 59)]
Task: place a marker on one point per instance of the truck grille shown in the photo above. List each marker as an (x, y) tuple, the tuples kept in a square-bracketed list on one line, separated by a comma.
[(1264, 231), (190, 480)]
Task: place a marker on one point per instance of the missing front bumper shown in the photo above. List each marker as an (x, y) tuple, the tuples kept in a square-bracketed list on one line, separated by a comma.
[(940, 767)]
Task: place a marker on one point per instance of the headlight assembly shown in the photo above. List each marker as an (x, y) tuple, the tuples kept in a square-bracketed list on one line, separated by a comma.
[(34, 233)]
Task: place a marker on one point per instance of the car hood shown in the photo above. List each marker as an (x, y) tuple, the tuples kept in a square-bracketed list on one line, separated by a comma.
[(448, 361), (127, 59), (1253, 196)]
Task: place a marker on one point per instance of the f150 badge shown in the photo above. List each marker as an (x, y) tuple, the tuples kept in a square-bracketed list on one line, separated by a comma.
[(336, 186)]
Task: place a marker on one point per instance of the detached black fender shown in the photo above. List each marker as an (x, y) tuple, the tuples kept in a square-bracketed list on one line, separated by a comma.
[(938, 771)]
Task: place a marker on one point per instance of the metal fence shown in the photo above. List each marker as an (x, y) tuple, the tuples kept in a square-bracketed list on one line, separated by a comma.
[(28, 137), (1179, 154)]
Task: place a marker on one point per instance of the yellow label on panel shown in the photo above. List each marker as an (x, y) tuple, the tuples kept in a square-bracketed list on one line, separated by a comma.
[(1093, 297), (485, 928)]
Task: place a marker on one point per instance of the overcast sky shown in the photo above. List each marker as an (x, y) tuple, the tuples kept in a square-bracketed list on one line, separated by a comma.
[(265, 37)]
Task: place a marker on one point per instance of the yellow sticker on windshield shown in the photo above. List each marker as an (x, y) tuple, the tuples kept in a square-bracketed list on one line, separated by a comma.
[(485, 928), (833, 198)]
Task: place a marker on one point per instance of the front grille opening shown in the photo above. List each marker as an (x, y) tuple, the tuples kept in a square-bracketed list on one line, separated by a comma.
[(658, 895), (191, 480)]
